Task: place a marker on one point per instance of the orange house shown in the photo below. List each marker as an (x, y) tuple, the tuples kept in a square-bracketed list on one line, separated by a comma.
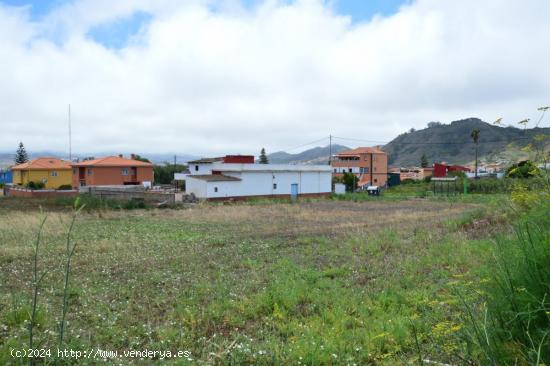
[(369, 164), (111, 170)]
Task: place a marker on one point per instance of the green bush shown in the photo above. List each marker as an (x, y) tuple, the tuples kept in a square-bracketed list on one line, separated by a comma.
[(35, 185), (65, 187), (524, 169), (457, 173), (504, 185)]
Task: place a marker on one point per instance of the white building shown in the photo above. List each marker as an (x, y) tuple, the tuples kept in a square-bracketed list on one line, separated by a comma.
[(239, 177)]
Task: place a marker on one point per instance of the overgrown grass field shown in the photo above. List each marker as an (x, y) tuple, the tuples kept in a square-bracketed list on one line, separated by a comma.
[(314, 283)]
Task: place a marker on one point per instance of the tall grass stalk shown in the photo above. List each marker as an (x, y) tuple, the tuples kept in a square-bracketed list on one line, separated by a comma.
[(515, 326), (69, 252), (36, 281)]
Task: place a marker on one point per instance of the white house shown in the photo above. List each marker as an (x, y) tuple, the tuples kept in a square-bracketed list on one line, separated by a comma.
[(239, 177)]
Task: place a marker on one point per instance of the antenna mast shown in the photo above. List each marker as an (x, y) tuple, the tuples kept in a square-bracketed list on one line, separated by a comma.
[(70, 137)]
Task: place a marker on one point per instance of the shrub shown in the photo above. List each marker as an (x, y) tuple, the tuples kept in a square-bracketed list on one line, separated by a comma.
[(350, 180), (65, 187), (35, 185), (457, 173), (524, 169)]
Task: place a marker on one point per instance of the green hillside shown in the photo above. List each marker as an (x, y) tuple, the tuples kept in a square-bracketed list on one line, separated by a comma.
[(452, 143)]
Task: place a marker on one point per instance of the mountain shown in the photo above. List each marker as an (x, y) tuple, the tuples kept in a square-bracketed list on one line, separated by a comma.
[(317, 155), (452, 143)]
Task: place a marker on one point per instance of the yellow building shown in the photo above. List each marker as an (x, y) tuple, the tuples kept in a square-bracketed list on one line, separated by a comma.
[(52, 172)]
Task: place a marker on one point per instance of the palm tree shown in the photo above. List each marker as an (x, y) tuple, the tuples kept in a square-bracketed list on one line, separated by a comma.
[(524, 123), (475, 137), (543, 110)]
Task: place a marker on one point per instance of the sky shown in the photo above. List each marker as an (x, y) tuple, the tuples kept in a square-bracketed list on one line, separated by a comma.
[(210, 77)]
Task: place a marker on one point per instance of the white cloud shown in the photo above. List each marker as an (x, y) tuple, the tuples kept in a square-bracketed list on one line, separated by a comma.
[(204, 81)]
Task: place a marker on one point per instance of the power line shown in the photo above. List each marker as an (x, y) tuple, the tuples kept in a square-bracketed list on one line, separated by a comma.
[(306, 144)]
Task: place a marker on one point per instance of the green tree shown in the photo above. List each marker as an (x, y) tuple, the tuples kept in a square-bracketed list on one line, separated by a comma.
[(350, 180), (141, 158), (424, 161), (475, 138), (263, 157), (21, 155), (164, 174)]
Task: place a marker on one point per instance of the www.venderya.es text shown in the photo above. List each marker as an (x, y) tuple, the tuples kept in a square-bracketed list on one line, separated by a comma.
[(97, 353)]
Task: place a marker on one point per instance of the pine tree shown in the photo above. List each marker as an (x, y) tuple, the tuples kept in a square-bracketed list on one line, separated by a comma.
[(424, 161), (475, 137), (263, 157), (21, 154)]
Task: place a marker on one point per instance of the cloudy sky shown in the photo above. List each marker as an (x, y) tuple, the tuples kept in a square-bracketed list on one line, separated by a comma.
[(231, 76)]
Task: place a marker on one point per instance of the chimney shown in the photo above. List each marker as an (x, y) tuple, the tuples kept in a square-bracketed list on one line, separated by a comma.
[(120, 155), (133, 156)]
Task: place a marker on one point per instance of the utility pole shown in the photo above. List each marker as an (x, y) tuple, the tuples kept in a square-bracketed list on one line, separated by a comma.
[(175, 182), (70, 137), (330, 150)]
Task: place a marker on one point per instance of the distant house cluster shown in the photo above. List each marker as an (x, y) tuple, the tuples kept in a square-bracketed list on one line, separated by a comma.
[(53, 173), (219, 178)]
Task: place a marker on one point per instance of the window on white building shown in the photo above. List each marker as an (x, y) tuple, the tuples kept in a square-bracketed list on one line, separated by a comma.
[(215, 189), (274, 185), (196, 168)]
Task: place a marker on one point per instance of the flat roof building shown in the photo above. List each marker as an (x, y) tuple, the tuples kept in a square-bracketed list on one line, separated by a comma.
[(223, 178)]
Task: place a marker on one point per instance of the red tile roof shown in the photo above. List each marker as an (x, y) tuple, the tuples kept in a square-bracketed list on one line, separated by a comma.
[(45, 163), (113, 161), (361, 150)]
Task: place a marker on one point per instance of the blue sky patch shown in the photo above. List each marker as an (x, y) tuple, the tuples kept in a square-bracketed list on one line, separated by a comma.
[(364, 10), (38, 8), (359, 10), (117, 33)]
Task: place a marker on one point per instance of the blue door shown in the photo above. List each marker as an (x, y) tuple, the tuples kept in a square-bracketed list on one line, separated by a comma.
[(294, 191)]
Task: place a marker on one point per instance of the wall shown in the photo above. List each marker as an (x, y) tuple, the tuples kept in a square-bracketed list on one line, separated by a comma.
[(239, 159), (6, 176), (23, 177), (203, 169), (261, 184), (195, 186), (16, 177), (16, 192), (129, 193)]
